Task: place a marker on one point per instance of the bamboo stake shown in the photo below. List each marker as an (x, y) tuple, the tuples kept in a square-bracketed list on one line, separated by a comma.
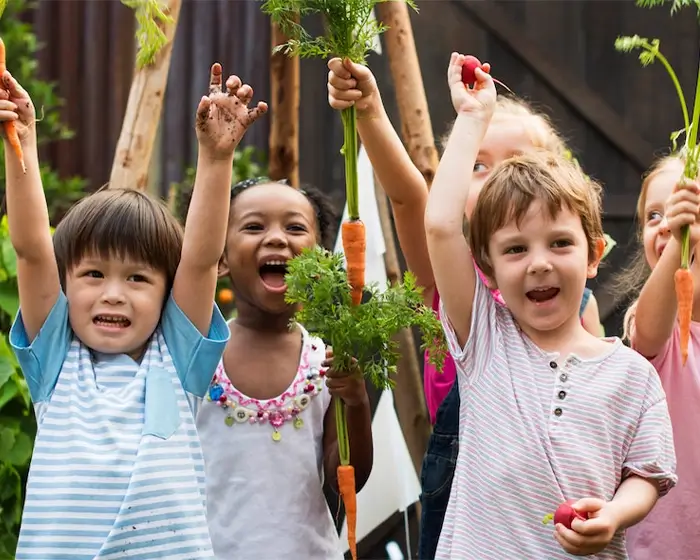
[(136, 140), (416, 128), (410, 404), (284, 111)]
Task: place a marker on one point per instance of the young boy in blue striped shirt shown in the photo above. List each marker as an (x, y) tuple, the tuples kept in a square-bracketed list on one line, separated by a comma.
[(118, 337)]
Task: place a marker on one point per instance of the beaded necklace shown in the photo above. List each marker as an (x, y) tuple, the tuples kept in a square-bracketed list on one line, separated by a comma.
[(241, 409)]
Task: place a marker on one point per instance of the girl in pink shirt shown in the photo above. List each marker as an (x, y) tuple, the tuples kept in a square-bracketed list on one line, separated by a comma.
[(671, 530)]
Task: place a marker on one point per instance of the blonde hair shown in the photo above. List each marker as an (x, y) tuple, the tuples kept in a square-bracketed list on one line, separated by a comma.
[(630, 281), (541, 176), (541, 132)]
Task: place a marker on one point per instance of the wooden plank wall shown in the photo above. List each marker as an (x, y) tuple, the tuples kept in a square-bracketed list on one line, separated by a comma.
[(547, 52)]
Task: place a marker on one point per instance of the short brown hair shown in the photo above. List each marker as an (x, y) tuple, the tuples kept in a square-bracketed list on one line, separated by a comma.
[(518, 182), (121, 223)]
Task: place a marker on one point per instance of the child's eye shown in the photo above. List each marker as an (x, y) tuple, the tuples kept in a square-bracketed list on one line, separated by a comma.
[(138, 278), (94, 274), (297, 227), (654, 216), (562, 243), (480, 167), (515, 250), (252, 227)]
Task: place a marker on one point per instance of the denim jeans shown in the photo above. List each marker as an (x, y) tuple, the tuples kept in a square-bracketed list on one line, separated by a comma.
[(436, 473)]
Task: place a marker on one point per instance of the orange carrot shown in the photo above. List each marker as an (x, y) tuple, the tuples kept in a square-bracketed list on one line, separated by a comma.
[(355, 246), (346, 487), (10, 127), (684, 294)]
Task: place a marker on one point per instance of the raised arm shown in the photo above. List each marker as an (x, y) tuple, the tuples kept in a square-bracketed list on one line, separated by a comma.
[(222, 119), (655, 315), (27, 213), (349, 84), (455, 275)]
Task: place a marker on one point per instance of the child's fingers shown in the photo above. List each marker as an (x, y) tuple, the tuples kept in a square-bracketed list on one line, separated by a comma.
[(341, 83), (203, 109), (8, 116), (255, 113), (454, 70), (12, 86), (351, 95), (337, 68), (215, 79), (233, 84), (6, 105), (486, 67), (245, 94)]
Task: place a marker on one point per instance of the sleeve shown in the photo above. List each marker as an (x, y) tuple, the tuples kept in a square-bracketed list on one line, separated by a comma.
[(195, 356), (652, 454), (41, 359), (482, 334)]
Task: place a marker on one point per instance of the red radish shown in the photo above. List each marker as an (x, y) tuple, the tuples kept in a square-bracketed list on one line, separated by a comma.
[(471, 63), (566, 514)]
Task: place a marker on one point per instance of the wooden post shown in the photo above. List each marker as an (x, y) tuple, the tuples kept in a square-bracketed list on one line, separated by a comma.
[(135, 146), (416, 128), (410, 404), (284, 111)]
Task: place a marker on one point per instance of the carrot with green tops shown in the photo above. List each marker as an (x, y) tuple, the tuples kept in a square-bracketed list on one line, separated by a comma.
[(10, 126), (684, 294), (355, 247)]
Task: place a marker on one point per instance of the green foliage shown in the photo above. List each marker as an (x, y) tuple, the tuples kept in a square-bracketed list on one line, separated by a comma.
[(317, 281), (21, 46), (150, 17), (17, 422), (675, 4), (351, 27), (650, 52)]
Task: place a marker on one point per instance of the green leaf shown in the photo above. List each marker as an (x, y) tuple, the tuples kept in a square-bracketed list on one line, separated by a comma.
[(150, 17), (7, 441), (21, 451), (8, 391), (9, 257), (7, 369), (9, 298)]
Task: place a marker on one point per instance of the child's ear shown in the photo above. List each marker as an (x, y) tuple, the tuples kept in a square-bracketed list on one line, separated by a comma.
[(223, 269), (598, 255)]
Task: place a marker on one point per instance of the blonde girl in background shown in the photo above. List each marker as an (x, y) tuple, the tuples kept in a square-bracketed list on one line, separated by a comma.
[(666, 205)]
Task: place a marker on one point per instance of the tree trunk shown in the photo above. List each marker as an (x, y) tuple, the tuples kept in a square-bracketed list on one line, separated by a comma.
[(416, 128), (284, 111), (135, 146), (408, 393)]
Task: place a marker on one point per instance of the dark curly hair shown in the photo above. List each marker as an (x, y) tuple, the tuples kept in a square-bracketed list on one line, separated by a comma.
[(326, 215)]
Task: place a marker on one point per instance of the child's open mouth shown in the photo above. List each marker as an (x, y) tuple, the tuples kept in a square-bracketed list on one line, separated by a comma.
[(111, 321), (540, 295), (272, 275)]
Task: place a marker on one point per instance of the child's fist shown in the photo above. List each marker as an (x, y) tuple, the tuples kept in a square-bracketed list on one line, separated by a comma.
[(352, 84), (223, 118), (15, 105), (478, 101), (683, 208)]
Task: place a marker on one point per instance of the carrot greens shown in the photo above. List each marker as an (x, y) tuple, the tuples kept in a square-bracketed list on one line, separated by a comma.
[(151, 16)]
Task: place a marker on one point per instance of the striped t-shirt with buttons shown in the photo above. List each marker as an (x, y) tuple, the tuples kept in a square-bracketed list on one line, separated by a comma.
[(536, 430), (117, 469)]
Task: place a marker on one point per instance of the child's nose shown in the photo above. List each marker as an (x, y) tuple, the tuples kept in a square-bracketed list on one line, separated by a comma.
[(539, 264), (663, 227), (113, 292), (276, 238)]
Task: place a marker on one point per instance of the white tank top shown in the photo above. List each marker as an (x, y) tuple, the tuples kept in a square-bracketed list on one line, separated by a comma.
[(264, 467)]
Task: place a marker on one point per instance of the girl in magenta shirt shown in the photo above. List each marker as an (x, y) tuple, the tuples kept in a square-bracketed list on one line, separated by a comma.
[(671, 530)]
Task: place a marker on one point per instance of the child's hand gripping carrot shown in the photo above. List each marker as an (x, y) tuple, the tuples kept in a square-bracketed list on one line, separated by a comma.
[(683, 209), (353, 84), (224, 116), (16, 113)]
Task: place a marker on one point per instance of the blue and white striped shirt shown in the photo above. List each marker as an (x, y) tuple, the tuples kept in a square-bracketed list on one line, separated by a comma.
[(534, 432), (117, 470)]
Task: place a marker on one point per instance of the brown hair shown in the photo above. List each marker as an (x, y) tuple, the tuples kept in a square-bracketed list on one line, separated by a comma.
[(540, 129), (121, 223), (630, 281), (518, 182)]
